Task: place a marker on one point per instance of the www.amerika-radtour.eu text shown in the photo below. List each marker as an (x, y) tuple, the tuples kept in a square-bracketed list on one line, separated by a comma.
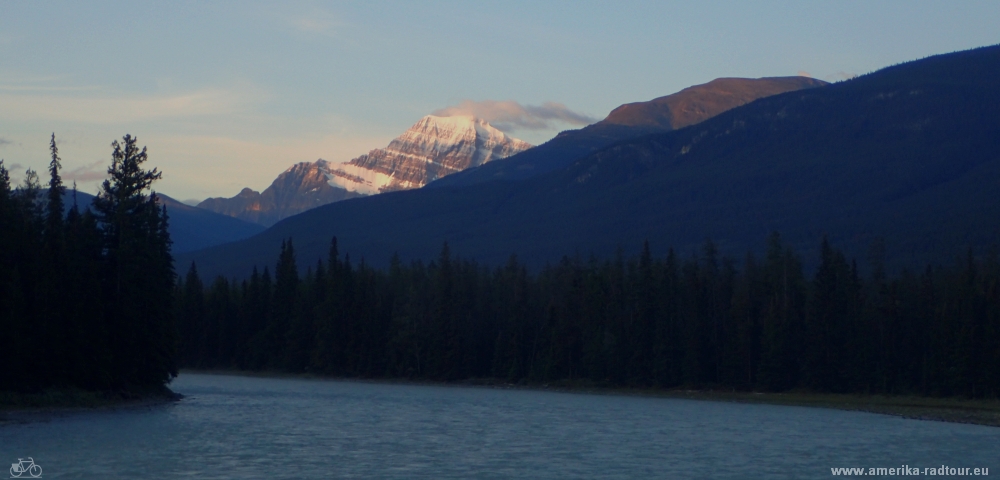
[(908, 470)]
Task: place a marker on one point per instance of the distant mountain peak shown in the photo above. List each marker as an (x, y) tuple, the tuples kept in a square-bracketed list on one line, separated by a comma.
[(453, 125), (699, 102), (432, 148)]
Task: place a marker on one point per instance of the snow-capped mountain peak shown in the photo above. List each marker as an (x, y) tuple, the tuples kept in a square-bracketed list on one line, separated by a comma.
[(432, 148)]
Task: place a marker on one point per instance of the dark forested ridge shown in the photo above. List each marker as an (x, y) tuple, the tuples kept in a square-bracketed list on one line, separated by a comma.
[(700, 320), (191, 228), (86, 298), (910, 154)]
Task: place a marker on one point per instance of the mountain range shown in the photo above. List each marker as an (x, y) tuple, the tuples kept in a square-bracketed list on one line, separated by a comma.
[(191, 228), (678, 110), (431, 149), (907, 157)]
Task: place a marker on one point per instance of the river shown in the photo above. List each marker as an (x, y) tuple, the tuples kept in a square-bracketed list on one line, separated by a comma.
[(249, 427)]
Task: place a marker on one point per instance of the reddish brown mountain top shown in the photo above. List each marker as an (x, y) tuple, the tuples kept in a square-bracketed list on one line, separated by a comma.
[(701, 102)]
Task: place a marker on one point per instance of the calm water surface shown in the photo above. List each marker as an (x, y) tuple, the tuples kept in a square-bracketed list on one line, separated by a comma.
[(240, 427)]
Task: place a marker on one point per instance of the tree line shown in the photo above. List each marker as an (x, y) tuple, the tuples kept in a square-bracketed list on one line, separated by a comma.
[(86, 293), (702, 321)]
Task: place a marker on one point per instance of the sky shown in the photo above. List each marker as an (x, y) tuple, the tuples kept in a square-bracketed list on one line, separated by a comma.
[(228, 94)]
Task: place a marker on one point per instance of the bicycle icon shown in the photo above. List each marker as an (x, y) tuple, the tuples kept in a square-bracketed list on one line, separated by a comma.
[(22, 466)]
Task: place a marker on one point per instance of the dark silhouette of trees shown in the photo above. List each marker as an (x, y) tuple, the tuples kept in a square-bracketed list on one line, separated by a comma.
[(86, 297), (704, 322), (138, 274)]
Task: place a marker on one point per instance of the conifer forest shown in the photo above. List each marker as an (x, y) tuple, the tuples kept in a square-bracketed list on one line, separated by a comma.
[(86, 293), (699, 321), (89, 298)]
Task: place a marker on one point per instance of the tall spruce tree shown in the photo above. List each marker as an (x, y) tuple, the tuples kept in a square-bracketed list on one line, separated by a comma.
[(54, 208), (139, 275), (54, 314)]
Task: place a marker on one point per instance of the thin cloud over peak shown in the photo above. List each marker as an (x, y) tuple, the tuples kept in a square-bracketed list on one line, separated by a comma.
[(511, 115)]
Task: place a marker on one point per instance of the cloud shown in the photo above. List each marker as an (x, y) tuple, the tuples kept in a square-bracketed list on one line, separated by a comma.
[(107, 109), (15, 170), (87, 173), (510, 115), (13, 82), (319, 22), (4, 141), (42, 88)]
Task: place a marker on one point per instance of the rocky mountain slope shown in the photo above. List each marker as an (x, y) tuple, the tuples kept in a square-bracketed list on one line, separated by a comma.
[(431, 149), (303, 186)]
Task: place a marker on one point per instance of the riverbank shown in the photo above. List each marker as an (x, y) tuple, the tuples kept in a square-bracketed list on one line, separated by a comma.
[(954, 410), (18, 407)]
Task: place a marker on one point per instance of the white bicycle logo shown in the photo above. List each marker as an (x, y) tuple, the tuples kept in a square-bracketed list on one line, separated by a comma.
[(22, 466)]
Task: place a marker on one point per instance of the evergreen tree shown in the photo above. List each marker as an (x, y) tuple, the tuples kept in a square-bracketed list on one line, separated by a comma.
[(191, 317), (747, 309), (286, 290), (138, 274), (54, 208), (8, 321), (32, 367), (827, 329), (781, 318), (88, 353), (53, 317)]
